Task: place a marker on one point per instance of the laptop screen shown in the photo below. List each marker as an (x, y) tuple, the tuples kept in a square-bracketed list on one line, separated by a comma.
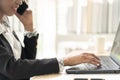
[(115, 51)]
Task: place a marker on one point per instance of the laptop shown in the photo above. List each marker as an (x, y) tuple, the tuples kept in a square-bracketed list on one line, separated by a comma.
[(110, 64)]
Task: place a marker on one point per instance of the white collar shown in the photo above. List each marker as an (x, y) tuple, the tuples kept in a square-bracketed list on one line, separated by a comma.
[(2, 29), (4, 25)]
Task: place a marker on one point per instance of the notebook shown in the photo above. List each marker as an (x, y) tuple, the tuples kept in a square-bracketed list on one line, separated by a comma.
[(110, 64)]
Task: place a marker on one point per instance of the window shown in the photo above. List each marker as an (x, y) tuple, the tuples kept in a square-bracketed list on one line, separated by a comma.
[(87, 16)]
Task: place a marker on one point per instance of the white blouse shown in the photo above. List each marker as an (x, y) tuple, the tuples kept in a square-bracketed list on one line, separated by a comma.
[(14, 43)]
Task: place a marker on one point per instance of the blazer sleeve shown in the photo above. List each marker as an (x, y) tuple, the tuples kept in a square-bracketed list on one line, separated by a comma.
[(30, 49), (24, 68)]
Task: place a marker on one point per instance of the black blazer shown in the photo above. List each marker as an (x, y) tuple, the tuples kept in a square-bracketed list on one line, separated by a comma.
[(27, 66)]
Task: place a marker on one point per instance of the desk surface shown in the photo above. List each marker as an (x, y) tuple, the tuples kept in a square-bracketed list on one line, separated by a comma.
[(64, 76)]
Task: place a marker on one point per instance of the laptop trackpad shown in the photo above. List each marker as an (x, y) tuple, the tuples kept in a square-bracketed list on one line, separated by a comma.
[(85, 66)]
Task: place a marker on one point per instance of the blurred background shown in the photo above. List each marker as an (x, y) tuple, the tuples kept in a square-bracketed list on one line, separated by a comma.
[(67, 25)]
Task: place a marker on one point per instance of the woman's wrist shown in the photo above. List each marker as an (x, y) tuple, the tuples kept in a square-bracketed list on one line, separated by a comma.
[(30, 28), (30, 34), (66, 61)]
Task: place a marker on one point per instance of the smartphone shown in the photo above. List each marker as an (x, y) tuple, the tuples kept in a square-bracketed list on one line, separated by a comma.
[(22, 8)]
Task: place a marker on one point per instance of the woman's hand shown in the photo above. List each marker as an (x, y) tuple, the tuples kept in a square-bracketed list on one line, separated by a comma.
[(26, 19), (82, 58)]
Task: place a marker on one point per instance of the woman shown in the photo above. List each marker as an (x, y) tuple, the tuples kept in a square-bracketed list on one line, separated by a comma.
[(18, 62)]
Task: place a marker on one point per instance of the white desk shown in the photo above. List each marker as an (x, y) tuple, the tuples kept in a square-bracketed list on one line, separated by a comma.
[(64, 76)]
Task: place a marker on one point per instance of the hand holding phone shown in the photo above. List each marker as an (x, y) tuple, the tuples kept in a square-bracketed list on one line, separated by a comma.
[(22, 8), (27, 18)]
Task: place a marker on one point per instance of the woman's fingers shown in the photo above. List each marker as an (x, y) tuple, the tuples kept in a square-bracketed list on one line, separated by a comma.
[(94, 60), (95, 56), (91, 58)]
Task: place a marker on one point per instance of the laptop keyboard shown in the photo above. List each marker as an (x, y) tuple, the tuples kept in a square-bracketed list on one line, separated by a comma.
[(106, 62)]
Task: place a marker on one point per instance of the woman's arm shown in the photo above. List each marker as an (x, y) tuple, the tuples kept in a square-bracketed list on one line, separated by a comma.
[(30, 49)]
